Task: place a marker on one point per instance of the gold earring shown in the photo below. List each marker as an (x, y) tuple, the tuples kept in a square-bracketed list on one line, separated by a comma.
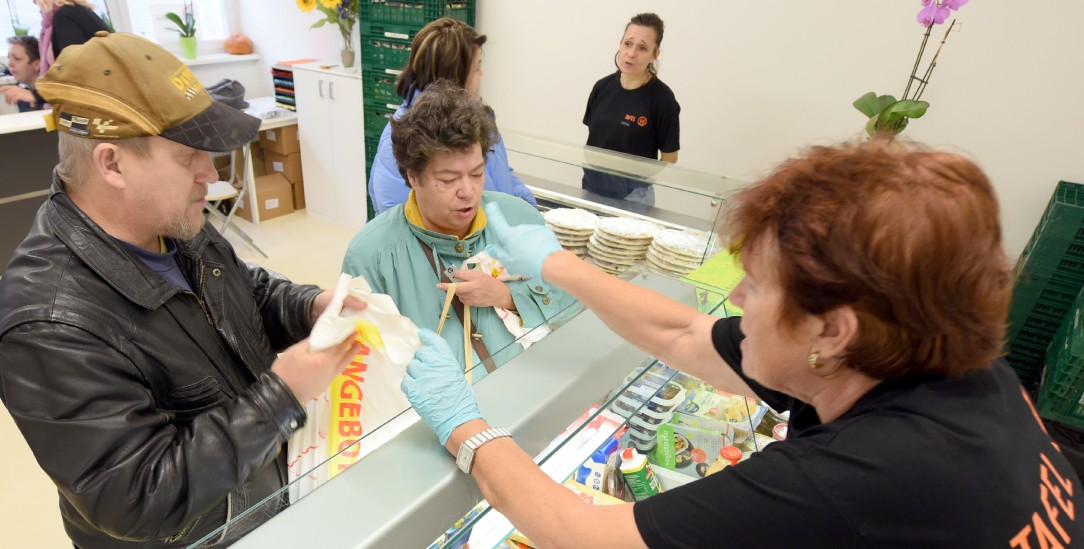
[(813, 361)]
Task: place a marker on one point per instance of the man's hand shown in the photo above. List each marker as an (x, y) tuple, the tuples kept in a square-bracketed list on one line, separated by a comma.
[(324, 298), (16, 93), (478, 289), (308, 374)]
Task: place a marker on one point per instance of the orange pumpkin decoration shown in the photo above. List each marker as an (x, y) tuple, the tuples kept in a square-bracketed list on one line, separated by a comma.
[(238, 44)]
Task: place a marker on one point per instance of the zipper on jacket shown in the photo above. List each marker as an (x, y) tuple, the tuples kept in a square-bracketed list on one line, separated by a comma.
[(202, 305)]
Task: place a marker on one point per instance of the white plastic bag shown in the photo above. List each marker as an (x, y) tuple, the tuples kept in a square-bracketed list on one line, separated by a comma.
[(361, 399)]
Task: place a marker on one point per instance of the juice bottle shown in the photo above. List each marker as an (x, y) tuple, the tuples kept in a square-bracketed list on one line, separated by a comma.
[(638, 475)]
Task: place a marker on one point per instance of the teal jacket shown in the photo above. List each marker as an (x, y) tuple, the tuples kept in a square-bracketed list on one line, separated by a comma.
[(387, 252)]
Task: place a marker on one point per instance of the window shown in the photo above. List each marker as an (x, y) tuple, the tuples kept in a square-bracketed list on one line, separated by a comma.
[(17, 16), (146, 18)]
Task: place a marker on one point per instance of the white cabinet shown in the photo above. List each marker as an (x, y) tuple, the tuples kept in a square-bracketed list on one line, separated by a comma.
[(331, 130)]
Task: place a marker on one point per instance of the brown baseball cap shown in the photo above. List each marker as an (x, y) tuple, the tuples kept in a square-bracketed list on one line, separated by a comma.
[(119, 85)]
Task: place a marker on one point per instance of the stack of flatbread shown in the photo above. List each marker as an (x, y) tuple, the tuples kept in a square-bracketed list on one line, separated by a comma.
[(620, 242), (677, 252), (573, 228)]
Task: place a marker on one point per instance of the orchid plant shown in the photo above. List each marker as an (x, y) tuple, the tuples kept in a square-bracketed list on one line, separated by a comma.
[(885, 112)]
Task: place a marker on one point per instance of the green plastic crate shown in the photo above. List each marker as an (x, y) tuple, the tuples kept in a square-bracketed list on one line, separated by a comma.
[(384, 54), (379, 87), (1048, 278), (376, 117), (414, 12), (371, 144), (1061, 395), (382, 30)]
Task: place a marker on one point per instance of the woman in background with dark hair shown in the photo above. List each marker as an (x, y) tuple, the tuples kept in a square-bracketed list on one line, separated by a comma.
[(632, 111), (446, 49), (63, 23), (23, 64)]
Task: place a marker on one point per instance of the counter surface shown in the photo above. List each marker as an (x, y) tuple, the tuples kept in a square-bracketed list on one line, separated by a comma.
[(22, 121)]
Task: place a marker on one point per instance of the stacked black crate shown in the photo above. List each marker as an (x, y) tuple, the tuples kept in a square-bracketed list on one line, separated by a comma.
[(387, 29)]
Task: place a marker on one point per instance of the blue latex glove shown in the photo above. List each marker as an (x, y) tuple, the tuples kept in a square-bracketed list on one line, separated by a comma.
[(523, 248), (436, 387)]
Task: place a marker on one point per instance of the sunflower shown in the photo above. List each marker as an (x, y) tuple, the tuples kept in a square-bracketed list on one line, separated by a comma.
[(306, 5), (331, 4)]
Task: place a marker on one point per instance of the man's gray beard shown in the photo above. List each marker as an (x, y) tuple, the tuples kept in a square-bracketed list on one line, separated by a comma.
[(183, 229)]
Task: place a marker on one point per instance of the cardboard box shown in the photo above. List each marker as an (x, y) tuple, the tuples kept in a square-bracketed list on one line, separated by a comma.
[(281, 140), (222, 164), (288, 165), (258, 159), (299, 195), (274, 198)]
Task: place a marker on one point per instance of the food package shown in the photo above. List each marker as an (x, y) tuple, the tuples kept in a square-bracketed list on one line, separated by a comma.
[(486, 263), (742, 413), (687, 450), (362, 398)]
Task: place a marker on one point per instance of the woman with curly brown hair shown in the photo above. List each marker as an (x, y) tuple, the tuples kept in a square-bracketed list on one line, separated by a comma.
[(874, 311)]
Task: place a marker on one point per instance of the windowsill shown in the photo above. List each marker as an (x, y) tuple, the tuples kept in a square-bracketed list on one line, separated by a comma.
[(217, 58)]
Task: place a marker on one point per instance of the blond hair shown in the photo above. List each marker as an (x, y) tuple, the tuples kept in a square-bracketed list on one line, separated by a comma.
[(48, 5), (77, 156)]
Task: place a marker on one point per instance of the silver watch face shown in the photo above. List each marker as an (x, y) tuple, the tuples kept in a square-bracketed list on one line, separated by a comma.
[(464, 458)]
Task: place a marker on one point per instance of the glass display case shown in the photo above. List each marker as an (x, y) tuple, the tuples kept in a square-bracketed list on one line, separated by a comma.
[(685, 199), (401, 489)]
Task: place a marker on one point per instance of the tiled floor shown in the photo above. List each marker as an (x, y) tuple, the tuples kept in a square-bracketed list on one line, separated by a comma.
[(302, 248)]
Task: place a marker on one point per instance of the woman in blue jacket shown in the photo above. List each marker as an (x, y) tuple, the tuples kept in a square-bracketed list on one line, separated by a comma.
[(444, 49)]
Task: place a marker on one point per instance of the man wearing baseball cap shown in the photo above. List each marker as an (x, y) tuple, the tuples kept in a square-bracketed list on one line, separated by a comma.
[(138, 354)]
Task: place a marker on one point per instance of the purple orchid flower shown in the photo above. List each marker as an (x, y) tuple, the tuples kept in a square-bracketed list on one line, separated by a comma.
[(954, 4), (933, 13)]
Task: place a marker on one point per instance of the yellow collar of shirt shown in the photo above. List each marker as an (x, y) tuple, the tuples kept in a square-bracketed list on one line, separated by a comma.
[(414, 216)]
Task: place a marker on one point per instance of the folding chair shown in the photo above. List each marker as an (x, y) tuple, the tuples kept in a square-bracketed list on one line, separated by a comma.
[(218, 191)]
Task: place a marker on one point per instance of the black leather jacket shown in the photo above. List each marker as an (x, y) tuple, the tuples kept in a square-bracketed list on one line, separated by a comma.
[(152, 409)]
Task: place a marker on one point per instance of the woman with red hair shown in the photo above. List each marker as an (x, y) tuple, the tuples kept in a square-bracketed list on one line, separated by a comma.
[(874, 310)]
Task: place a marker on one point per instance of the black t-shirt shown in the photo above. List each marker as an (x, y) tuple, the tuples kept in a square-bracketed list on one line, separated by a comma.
[(74, 25), (943, 463), (640, 122)]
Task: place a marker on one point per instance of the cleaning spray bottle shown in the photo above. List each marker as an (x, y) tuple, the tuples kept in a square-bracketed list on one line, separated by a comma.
[(638, 475)]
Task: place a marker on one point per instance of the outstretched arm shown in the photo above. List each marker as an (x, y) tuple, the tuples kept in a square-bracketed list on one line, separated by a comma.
[(670, 331)]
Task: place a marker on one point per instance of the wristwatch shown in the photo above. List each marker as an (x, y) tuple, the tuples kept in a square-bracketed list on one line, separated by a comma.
[(465, 458)]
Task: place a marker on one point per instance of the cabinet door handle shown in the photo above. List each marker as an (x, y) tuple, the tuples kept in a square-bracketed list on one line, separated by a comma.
[(331, 90), (321, 88)]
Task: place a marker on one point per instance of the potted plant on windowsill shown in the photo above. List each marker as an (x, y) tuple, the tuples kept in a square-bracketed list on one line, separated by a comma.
[(187, 29)]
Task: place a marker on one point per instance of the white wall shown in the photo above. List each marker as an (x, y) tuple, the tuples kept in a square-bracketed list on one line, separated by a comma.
[(280, 32), (759, 80)]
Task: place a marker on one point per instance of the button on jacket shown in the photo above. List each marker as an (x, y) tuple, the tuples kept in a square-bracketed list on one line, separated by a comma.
[(152, 408)]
